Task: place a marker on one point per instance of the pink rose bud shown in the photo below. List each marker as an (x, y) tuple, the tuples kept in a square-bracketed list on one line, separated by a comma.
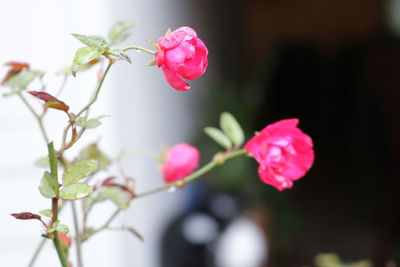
[(181, 55), (64, 240), (179, 162), (284, 153)]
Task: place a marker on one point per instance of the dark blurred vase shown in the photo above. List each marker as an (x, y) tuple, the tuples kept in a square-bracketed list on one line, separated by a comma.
[(211, 232)]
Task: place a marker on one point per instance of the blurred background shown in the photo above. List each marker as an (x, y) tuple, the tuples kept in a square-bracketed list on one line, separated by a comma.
[(332, 64)]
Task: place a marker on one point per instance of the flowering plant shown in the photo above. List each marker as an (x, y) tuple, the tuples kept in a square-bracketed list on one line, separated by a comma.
[(283, 151)]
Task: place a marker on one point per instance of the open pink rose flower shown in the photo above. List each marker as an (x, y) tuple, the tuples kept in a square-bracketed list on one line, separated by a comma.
[(181, 55), (179, 162), (284, 153)]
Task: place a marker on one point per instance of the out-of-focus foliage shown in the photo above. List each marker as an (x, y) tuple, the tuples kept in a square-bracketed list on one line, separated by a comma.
[(333, 260)]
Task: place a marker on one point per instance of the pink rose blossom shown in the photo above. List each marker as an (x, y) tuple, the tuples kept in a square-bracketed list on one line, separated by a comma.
[(181, 55), (284, 153), (179, 162)]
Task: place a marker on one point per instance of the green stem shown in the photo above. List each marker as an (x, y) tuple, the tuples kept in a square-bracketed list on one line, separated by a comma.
[(206, 168), (139, 48), (41, 244), (107, 223), (36, 115), (37, 252), (60, 251), (53, 161), (85, 108), (218, 160), (27, 104), (77, 236), (54, 203), (63, 84), (96, 91)]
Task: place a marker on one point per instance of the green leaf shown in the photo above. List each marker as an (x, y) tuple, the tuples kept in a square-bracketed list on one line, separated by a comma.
[(67, 70), (93, 41), (8, 94), (116, 195), (93, 152), (22, 79), (83, 56), (168, 32), (121, 38), (62, 228), (75, 191), (154, 44), (120, 55), (47, 213), (42, 162), (118, 34), (218, 137), (232, 128), (79, 170), (52, 229), (101, 117), (72, 116), (48, 186), (92, 123)]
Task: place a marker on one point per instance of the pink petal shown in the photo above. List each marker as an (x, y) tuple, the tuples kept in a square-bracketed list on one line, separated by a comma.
[(174, 80), (176, 57), (159, 57), (187, 30), (283, 152), (287, 123), (269, 177), (176, 37), (196, 65), (180, 161)]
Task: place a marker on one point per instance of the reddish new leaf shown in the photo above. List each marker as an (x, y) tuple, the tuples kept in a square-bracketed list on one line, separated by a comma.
[(11, 73), (110, 182), (26, 216), (16, 68), (17, 65), (43, 96), (50, 101)]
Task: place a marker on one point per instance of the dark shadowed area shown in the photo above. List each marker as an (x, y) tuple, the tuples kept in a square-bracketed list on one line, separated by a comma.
[(335, 65)]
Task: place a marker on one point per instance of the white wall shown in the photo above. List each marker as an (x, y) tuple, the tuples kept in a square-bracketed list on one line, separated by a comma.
[(144, 111)]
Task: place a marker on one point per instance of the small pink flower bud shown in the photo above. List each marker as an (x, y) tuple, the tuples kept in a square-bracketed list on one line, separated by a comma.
[(64, 240), (181, 55), (284, 153), (179, 162)]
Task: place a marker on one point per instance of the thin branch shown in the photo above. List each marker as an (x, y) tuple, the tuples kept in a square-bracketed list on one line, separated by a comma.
[(77, 235), (86, 108), (36, 115), (217, 160), (63, 84), (37, 252), (138, 48)]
